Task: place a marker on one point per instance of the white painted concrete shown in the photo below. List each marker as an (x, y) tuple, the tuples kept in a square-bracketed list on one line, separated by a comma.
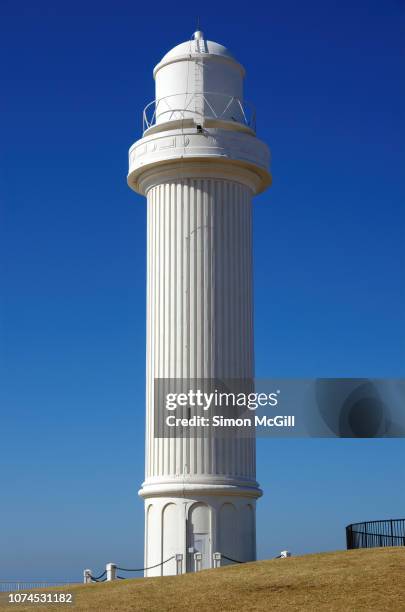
[(87, 576), (199, 166), (111, 571)]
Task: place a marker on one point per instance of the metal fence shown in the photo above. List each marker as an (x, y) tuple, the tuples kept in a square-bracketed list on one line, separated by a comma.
[(372, 534), (206, 104), (11, 586)]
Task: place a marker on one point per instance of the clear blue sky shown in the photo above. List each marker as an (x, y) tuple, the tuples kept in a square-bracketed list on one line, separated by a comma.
[(327, 80)]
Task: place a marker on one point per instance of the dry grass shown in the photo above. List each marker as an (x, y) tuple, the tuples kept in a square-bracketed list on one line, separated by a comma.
[(345, 581)]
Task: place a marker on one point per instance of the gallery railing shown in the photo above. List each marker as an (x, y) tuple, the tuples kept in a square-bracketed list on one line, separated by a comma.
[(207, 105), (372, 534)]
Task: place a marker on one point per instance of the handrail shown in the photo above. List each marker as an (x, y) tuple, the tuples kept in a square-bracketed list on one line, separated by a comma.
[(379, 521), (389, 532), (220, 107)]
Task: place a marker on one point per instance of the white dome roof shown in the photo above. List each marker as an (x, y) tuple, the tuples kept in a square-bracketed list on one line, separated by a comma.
[(190, 46), (197, 45)]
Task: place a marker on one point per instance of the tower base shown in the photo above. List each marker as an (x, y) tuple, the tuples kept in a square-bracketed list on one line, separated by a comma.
[(207, 522)]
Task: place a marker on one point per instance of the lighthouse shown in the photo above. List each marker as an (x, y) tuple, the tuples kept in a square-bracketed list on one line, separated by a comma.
[(199, 163)]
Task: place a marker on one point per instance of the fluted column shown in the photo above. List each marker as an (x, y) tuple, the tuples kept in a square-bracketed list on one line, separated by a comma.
[(199, 314)]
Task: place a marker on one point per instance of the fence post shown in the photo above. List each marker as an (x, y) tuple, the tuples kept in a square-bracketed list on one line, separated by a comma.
[(87, 576), (179, 564), (349, 537), (197, 561), (216, 558), (111, 570)]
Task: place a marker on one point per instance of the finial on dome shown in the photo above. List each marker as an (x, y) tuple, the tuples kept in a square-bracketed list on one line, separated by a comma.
[(198, 34)]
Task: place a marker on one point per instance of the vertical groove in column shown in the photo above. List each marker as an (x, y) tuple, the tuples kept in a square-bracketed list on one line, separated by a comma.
[(187, 198), (171, 305), (239, 297), (210, 285), (246, 272), (231, 309), (157, 321), (178, 311), (166, 306), (194, 443), (155, 354), (153, 333), (149, 301), (249, 319), (161, 305), (151, 249), (202, 309)]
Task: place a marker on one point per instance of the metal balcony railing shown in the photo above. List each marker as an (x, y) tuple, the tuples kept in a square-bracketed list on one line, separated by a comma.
[(373, 534), (207, 105)]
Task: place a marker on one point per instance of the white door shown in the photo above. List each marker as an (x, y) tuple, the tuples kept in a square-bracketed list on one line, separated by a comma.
[(198, 535), (201, 545)]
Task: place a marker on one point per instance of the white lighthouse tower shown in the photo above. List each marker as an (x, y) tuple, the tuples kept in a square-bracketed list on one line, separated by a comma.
[(199, 163)]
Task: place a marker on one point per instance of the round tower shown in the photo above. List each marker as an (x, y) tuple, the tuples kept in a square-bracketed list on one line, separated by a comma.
[(199, 163)]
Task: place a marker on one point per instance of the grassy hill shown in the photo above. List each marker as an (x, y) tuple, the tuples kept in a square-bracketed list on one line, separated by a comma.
[(346, 581)]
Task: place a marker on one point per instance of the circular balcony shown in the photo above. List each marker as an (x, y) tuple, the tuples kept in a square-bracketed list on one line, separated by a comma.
[(199, 107)]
